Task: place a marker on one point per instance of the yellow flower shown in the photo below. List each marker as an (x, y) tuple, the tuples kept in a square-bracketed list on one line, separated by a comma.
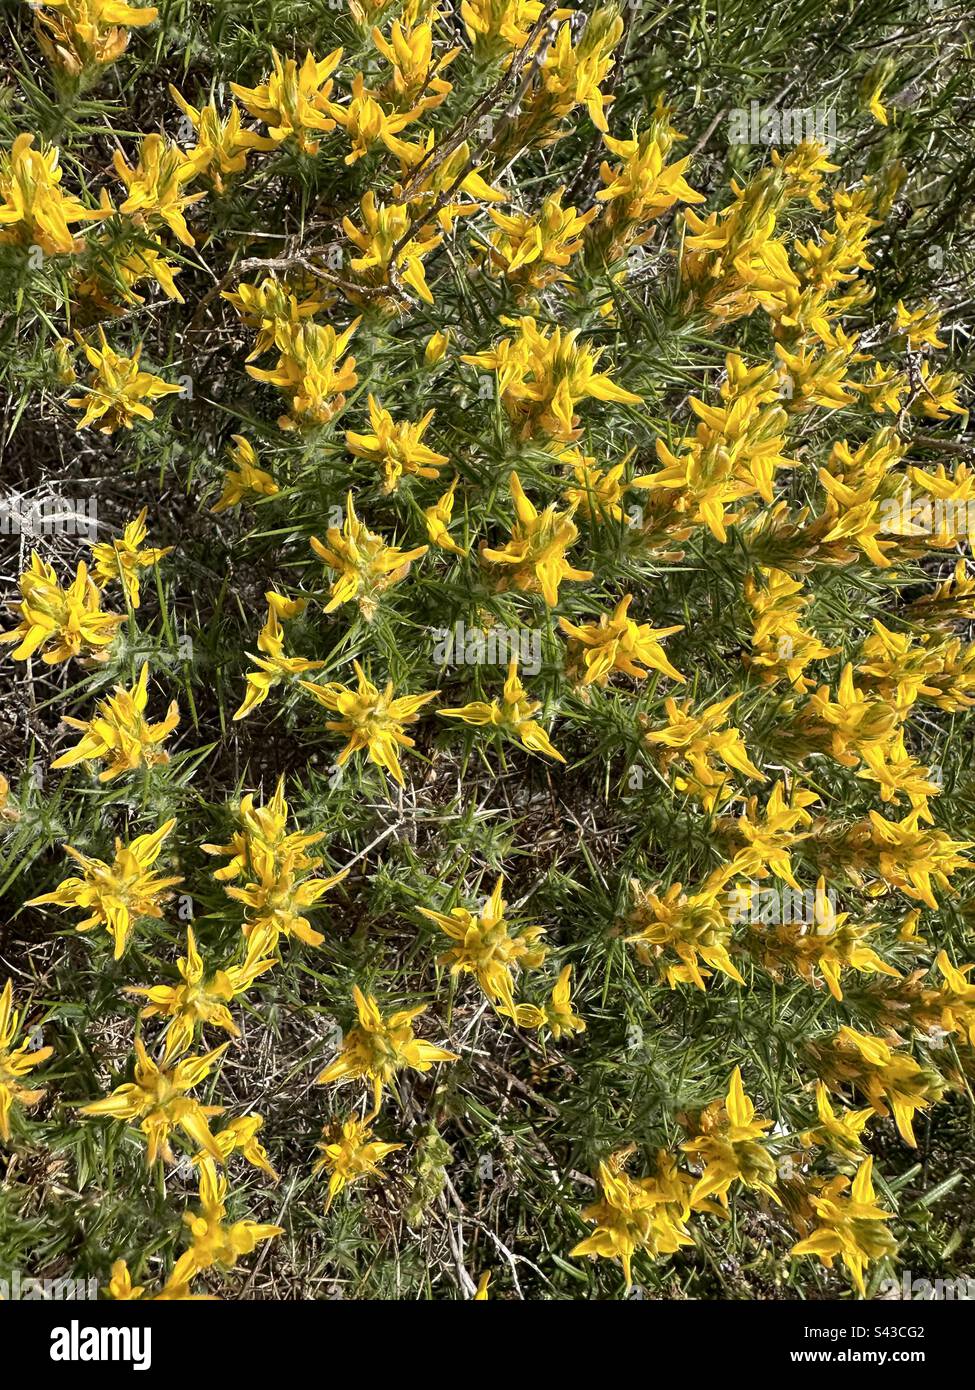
[(122, 559), (272, 309), (63, 364), (365, 11), (780, 647), (597, 493), (533, 559), (840, 1133), (120, 1286), (891, 1081), (34, 211), (157, 1096), (832, 260), (496, 27), (617, 643), (60, 623), (485, 947), (381, 1047), (15, 1062), (696, 927), (438, 519), (920, 326), (311, 372), (735, 452), (348, 1153), (392, 244), (636, 1214), (813, 378), (119, 734), (368, 125), (938, 396), (175, 1289), (732, 260), (852, 722), (155, 186), (197, 1000), (514, 713), (896, 772), (214, 1242), (913, 859), (946, 517), (433, 191), (221, 145), (700, 742), (569, 75), (7, 812), (830, 943), (872, 88), (84, 33), (278, 902), (399, 448), (116, 895), (543, 374), (274, 667), (640, 189), (728, 1147), (851, 1227), (280, 891), (436, 346), (118, 389), (558, 1014), (261, 846), (885, 389), (293, 102), (109, 286), (245, 481), (416, 80), (861, 485), (767, 837), (956, 999), (240, 1136), (370, 719), (365, 564), (531, 252)]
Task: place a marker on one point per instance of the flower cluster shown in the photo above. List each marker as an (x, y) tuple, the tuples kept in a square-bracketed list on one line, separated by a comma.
[(425, 324)]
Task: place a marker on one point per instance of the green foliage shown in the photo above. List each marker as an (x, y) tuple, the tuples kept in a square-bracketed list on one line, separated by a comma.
[(500, 1146)]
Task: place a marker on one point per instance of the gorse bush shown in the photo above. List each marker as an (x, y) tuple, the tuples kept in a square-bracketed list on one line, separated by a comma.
[(487, 786)]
